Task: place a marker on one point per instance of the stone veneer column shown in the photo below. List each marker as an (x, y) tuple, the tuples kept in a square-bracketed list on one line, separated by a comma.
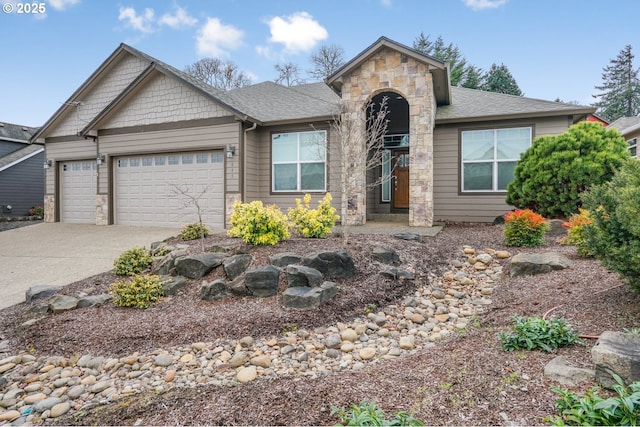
[(102, 209), (49, 208)]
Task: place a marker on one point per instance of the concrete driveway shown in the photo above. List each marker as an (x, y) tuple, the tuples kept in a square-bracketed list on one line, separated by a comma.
[(60, 253)]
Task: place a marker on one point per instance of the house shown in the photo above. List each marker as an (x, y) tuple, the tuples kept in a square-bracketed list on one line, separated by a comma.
[(21, 172), (138, 133), (597, 119), (629, 128)]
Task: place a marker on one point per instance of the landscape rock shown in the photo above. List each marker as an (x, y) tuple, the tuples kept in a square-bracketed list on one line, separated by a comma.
[(94, 300), (46, 404), (305, 298), (556, 229), (239, 359), (301, 276), (528, 264), (284, 259), (385, 255), (235, 265), (395, 274), (60, 409), (237, 287), (563, 372), (162, 265), (616, 353), (172, 285), (196, 266), (40, 291), (332, 264), (247, 374), (213, 291), (263, 282), (60, 303), (406, 235)]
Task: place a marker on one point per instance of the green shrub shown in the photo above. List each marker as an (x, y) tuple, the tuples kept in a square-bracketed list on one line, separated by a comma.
[(367, 414), (139, 291), (313, 222), (593, 410), (534, 332), (194, 231), (524, 228), (132, 261), (614, 235), (555, 170), (37, 211), (257, 224), (576, 232)]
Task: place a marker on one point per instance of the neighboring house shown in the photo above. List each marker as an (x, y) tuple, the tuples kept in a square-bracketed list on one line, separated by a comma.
[(629, 128), (597, 119), (21, 171), (137, 127)]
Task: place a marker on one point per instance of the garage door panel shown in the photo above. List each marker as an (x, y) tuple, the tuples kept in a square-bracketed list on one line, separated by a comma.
[(146, 188), (78, 188)]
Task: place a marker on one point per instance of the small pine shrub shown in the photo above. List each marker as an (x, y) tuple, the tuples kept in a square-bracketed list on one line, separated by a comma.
[(534, 332), (194, 231), (576, 227), (593, 410), (313, 222), (523, 227), (368, 414), (257, 224), (139, 291), (132, 261)]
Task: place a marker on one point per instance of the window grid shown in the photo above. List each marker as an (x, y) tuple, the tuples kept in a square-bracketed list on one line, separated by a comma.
[(632, 146), (299, 163)]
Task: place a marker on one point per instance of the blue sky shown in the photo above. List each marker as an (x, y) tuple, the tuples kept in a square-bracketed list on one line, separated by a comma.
[(553, 48)]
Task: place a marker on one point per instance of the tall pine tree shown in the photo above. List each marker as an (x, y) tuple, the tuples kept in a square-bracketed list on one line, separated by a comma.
[(620, 89), (449, 53), (499, 79)]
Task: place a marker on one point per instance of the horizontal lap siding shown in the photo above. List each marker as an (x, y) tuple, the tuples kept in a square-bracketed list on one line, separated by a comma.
[(284, 201), (448, 203), (22, 186), (177, 140), (252, 174)]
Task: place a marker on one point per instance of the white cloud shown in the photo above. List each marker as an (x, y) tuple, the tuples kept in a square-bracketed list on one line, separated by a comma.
[(386, 3), (298, 32), (216, 39), (180, 19), (62, 4), (143, 23), (484, 4)]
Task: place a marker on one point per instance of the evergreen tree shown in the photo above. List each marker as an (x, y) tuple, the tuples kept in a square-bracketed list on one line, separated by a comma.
[(620, 89), (448, 53), (500, 80), (474, 78)]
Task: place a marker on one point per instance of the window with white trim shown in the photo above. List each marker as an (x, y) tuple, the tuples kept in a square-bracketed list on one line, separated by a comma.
[(299, 161), (632, 146), (489, 157)]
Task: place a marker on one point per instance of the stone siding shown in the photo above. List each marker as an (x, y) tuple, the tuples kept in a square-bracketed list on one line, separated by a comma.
[(49, 208), (102, 209)]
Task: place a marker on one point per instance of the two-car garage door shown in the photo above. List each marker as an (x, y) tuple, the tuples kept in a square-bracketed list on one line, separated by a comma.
[(158, 189)]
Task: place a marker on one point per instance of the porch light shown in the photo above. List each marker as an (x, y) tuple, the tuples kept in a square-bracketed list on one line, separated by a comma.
[(100, 159), (231, 150), (47, 163)]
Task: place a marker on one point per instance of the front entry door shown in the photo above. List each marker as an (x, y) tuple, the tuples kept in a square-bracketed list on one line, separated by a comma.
[(401, 181)]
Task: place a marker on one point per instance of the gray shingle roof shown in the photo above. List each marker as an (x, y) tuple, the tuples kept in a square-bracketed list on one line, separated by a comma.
[(624, 123), (271, 102), (475, 105), (19, 155), (16, 133)]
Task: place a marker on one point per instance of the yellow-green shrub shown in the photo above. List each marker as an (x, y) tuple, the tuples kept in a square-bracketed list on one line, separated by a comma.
[(139, 291), (576, 227), (194, 231), (313, 222), (132, 261), (257, 224)]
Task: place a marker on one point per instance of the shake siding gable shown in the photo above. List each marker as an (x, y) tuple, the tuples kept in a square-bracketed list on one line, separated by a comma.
[(450, 204), (161, 100), (99, 96)]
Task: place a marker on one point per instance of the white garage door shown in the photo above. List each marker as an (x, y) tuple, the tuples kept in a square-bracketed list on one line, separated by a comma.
[(78, 182), (147, 189)]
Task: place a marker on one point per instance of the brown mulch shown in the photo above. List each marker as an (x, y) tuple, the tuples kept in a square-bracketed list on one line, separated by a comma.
[(466, 380)]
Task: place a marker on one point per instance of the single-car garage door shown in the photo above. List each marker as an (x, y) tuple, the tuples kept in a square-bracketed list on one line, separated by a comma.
[(78, 183), (147, 189)]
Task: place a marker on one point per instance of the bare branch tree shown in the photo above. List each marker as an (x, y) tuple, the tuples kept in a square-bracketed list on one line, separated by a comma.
[(221, 75), (326, 59), (360, 140), (288, 74), (192, 200)]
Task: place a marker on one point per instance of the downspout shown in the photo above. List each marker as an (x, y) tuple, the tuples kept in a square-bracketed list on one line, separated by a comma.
[(244, 160)]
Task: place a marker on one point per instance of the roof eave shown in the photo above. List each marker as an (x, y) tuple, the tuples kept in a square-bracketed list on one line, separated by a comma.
[(578, 115), (297, 121)]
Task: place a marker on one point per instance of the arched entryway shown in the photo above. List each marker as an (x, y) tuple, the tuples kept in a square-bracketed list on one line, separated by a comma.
[(392, 195)]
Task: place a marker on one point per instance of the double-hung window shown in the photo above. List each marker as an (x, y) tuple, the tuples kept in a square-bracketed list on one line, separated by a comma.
[(489, 157), (299, 161), (632, 146)]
